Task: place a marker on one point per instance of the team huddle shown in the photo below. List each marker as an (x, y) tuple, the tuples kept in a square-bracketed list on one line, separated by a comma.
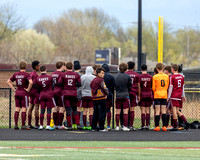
[(66, 91)]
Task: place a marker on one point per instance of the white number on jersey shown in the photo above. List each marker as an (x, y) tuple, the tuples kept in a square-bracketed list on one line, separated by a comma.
[(19, 82), (70, 81), (132, 79), (54, 80), (145, 84), (43, 83), (179, 83)]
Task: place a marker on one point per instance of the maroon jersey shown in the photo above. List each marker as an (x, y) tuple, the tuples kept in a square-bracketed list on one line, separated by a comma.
[(98, 88), (57, 91), (69, 80), (177, 84), (146, 86), (44, 82), (22, 81), (135, 80), (34, 90)]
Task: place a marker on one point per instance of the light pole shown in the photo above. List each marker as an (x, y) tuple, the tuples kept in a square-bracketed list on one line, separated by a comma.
[(139, 33)]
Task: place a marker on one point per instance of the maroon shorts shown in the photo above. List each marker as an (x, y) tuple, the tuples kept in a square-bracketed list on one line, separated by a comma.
[(176, 103), (145, 102), (47, 103), (109, 103), (70, 101), (133, 100), (87, 102), (125, 102), (58, 101), (21, 101), (34, 99)]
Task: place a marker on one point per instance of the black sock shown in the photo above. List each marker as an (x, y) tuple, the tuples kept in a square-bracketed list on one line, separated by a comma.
[(157, 119), (164, 119)]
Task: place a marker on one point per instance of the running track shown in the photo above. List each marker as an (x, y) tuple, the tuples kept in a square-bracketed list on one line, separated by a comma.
[(63, 135)]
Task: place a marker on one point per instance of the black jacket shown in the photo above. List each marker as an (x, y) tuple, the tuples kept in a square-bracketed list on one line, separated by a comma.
[(109, 81)]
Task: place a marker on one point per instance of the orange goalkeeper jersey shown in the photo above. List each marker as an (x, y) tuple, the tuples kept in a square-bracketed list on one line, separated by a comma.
[(160, 85)]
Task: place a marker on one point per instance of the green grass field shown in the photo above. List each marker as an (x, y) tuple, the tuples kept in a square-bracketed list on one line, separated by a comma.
[(97, 153)]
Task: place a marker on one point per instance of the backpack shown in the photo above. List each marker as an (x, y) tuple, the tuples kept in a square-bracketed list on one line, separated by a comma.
[(195, 125)]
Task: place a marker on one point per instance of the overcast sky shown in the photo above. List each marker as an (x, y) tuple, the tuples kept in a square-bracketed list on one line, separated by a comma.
[(177, 12)]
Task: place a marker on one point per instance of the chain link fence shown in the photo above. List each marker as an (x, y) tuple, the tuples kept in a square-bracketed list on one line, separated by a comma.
[(191, 108)]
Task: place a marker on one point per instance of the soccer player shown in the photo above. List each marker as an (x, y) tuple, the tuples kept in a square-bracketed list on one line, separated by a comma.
[(34, 97), (99, 94), (160, 86), (123, 86), (95, 66), (135, 91), (167, 71), (146, 96), (24, 84), (176, 94), (70, 81), (45, 83), (87, 100), (77, 69), (58, 111), (110, 84)]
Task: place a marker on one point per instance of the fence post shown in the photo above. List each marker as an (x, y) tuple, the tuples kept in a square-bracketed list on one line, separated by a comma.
[(10, 100)]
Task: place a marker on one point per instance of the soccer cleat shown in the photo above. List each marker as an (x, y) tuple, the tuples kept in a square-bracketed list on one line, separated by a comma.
[(142, 128), (187, 126), (180, 128), (62, 127), (174, 129), (49, 128), (164, 129), (103, 130), (132, 129), (108, 128), (157, 129), (16, 127), (69, 128), (89, 128), (36, 127), (147, 128), (55, 127), (41, 127), (85, 128), (75, 126), (125, 129), (28, 127), (23, 128), (117, 128), (169, 127)]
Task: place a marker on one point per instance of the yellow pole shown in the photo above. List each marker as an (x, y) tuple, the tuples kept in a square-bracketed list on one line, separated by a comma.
[(160, 40)]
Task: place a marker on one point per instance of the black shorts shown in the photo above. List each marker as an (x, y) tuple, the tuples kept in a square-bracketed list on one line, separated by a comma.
[(160, 101)]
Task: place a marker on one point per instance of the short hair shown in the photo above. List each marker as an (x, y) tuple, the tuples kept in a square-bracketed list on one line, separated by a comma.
[(96, 66), (35, 63), (99, 70), (144, 67), (123, 67), (175, 67), (22, 65), (180, 68), (43, 68), (131, 65), (59, 64), (69, 65), (155, 70), (159, 66), (168, 68)]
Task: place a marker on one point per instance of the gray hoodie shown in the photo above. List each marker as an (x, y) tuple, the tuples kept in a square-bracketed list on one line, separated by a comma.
[(86, 79)]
